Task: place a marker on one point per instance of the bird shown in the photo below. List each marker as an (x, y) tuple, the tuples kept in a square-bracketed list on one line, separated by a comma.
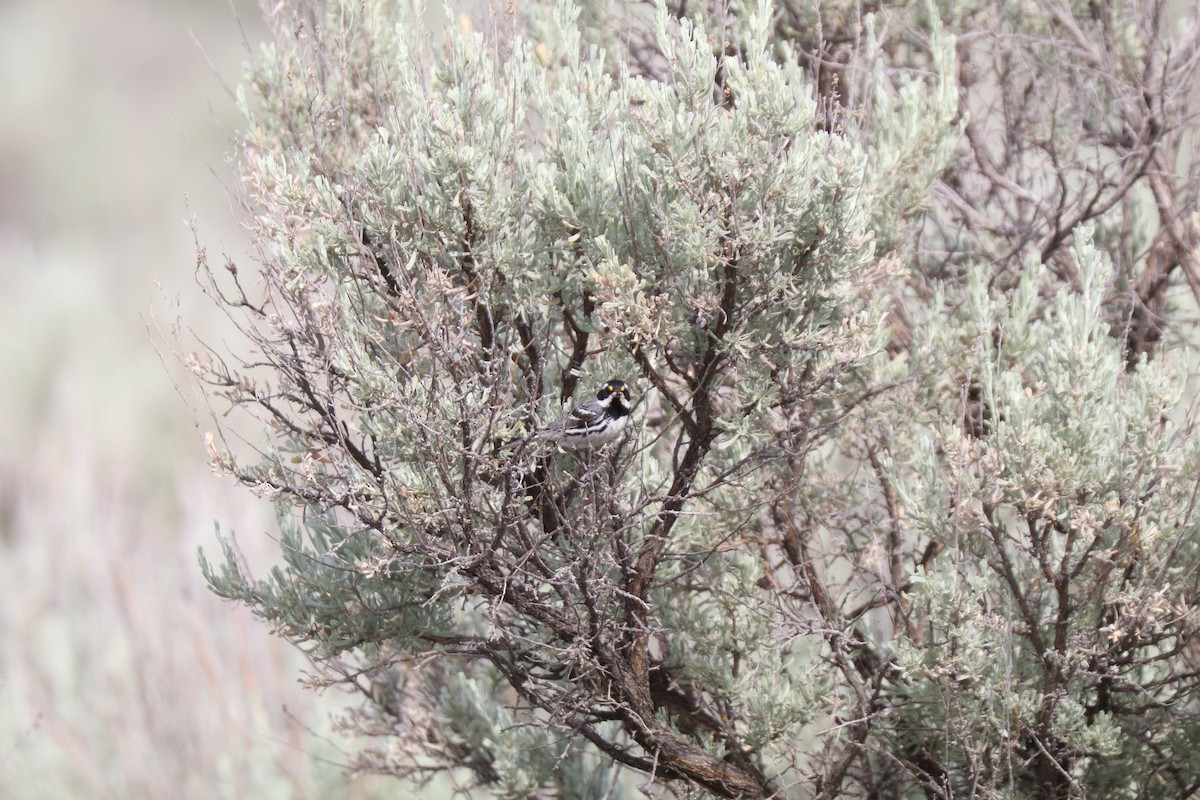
[(594, 423)]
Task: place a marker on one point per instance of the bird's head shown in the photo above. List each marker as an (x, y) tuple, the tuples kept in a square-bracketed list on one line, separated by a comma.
[(614, 392)]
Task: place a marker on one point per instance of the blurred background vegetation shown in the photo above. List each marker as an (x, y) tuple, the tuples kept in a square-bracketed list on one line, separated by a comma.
[(120, 675)]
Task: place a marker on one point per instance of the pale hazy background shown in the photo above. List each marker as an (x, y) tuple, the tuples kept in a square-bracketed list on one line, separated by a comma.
[(120, 675)]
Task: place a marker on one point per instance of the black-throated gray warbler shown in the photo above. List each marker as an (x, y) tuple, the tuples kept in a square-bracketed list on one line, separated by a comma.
[(594, 423)]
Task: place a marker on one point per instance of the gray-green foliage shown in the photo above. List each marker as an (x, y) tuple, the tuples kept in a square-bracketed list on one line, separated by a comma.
[(737, 598), (1057, 616)]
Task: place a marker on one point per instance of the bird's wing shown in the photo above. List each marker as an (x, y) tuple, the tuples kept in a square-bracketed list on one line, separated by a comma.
[(583, 416)]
